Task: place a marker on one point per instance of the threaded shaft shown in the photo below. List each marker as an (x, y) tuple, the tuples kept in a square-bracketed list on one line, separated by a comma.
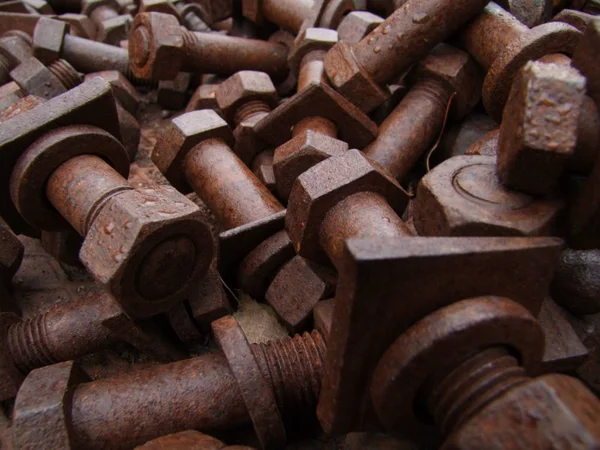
[(66, 73), (28, 344), (294, 367), (434, 91), (472, 385), (250, 109), (195, 23)]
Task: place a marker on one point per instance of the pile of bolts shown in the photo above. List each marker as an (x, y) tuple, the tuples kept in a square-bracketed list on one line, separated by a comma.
[(410, 190)]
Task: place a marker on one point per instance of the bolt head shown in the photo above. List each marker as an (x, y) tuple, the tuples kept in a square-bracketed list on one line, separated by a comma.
[(36, 79), (311, 39), (149, 247), (113, 31), (180, 135), (205, 97), (156, 46), (81, 25), (301, 153), (48, 38), (125, 93), (458, 69), (242, 87), (320, 188), (357, 25)]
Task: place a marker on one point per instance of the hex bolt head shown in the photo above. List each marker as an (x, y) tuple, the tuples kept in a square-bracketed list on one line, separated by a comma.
[(356, 25), (48, 38), (311, 39)]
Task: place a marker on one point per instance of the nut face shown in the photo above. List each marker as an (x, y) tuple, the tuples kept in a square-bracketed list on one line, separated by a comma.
[(180, 135), (150, 248), (301, 153), (464, 197), (311, 39), (357, 25), (155, 46), (320, 188), (539, 129), (48, 39), (565, 412), (243, 87)]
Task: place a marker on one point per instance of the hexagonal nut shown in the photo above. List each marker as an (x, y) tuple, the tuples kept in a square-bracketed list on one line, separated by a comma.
[(540, 126), (346, 75), (311, 39), (244, 87), (299, 154), (463, 196), (150, 247), (320, 188), (357, 25), (204, 97), (125, 93), (182, 134), (536, 414), (247, 142), (576, 284), (81, 25), (457, 68), (41, 413), (88, 6), (159, 6), (11, 253), (35, 78), (155, 46), (113, 31), (48, 38)]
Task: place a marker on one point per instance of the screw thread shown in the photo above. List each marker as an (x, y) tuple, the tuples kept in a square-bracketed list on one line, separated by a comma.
[(189, 39), (472, 385), (250, 109), (28, 344), (65, 73), (294, 367)]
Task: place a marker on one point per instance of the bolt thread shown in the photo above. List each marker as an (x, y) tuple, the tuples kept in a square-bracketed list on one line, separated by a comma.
[(294, 367), (250, 109), (195, 23), (189, 39), (65, 73), (140, 82), (472, 385), (28, 344)]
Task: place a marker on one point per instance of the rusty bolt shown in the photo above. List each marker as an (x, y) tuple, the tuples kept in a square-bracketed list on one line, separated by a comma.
[(257, 383), (160, 49), (539, 129), (361, 71), (34, 78), (245, 98), (13, 51), (172, 94), (459, 137), (463, 196), (80, 25), (193, 16), (357, 25), (112, 27), (341, 197), (130, 235), (529, 12), (262, 166), (415, 124), (502, 46), (576, 285), (122, 89), (188, 440), (205, 97)]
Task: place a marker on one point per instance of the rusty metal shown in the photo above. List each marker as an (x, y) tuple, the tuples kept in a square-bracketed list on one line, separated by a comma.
[(322, 317), (189, 440), (374, 273), (463, 196), (486, 145), (160, 49), (586, 55), (502, 46), (34, 78), (204, 97), (415, 124), (262, 166), (457, 139), (13, 51), (245, 98), (183, 395), (11, 253), (529, 12), (576, 19), (356, 25), (339, 198), (172, 94), (124, 92), (576, 285), (194, 16), (360, 71), (111, 26), (79, 25)]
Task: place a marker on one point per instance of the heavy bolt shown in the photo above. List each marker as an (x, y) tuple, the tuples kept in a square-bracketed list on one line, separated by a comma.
[(258, 383), (502, 46), (576, 285), (529, 12), (343, 197), (465, 367), (105, 14), (463, 196), (415, 124), (361, 71), (373, 273), (189, 440), (34, 78), (68, 331), (149, 247), (51, 42), (245, 98), (297, 15), (160, 49), (357, 25), (304, 136), (13, 51)]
